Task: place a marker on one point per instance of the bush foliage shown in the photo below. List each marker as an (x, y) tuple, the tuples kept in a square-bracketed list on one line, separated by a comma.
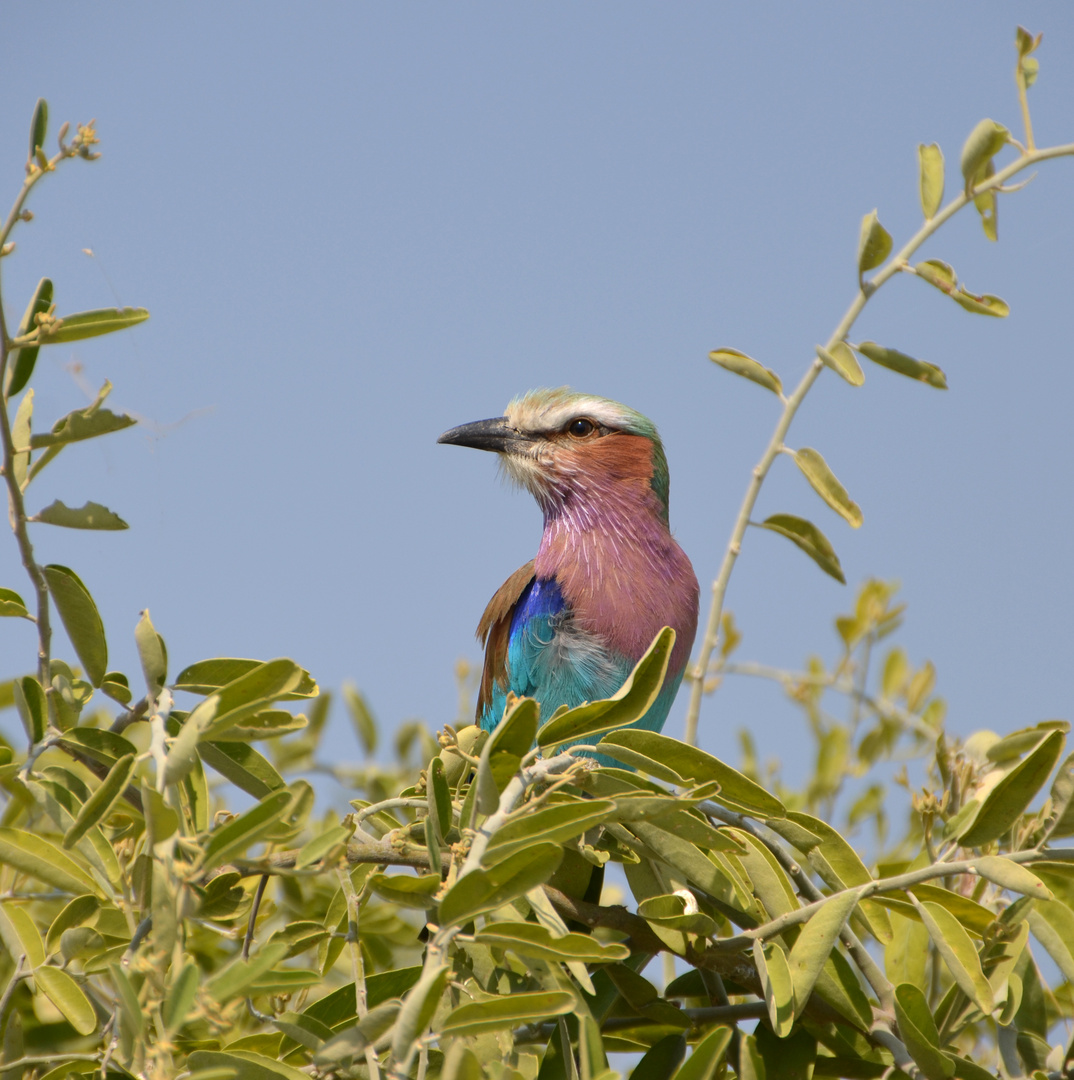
[(455, 924)]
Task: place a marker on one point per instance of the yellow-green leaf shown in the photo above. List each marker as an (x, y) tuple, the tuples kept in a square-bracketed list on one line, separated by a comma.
[(99, 805), (894, 360), (841, 359), (776, 986), (40, 859), (985, 304), (874, 243), (1011, 875), (68, 997), (532, 939), (477, 1017), (810, 539), (824, 483), (918, 1030), (959, 954), (748, 368), (418, 1008), (87, 324), (487, 889), (245, 830), (815, 942), (930, 159)]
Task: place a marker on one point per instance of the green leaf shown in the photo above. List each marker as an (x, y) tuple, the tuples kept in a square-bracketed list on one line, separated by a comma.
[(823, 481), (439, 797), (117, 687), (1052, 923), (813, 945), (1006, 802), (626, 706), (11, 604), (461, 1063), (532, 939), (100, 803), (313, 851), (406, 890), (503, 752), (984, 142), (418, 1008), (38, 127), (982, 305), (305, 1030), (266, 724), (894, 360), (75, 913), (874, 243), (939, 274), (706, 1057), (89, 516), (1011, 875), (245, 830), (352, 1042), (557, 823), (183, 751), (241, 1065), (161, 821), (930, 159), (361, 716), (40, 859), (252, 692), (130, 1009), (102, 745), (68, 997), (810, 539), (661, 1059), (80, 619), (207, 676), (88, 324), (80, 425), (918, 1031), (20, 935), (777, 988), (510, 1010), (32, 707), (748, 368), (688, 763), (959, 954), (243, 766), (152, 653), (488, 889), (841, 359), (234, 979), (21, 361), (20, 438)]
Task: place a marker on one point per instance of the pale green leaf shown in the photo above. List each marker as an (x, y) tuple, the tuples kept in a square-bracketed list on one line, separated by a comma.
[(814, 943), (917, 1027), (152, 653), (99, 805), (776, 986), (532, 939), (68, 997), (841, 359), (959, 954), (243, 766), (930, 160), (242, 1065), (984, 142), (487, 889), (40, 859), (824, 483), (245, 830), (88, 324), (418, 1008), (894, 360), (207, 676), (1011, 875), (88, 423)]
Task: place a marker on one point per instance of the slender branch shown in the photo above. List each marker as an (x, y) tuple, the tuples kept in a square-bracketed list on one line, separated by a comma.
[(791, 405)]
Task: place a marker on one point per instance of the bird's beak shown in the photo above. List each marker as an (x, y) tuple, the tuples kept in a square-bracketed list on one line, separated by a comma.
[(495, 434)]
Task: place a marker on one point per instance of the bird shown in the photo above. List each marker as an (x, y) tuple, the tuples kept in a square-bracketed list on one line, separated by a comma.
[(569, 626)]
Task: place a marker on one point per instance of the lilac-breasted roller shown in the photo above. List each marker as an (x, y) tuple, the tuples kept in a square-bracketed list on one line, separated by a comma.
[(570, 625)]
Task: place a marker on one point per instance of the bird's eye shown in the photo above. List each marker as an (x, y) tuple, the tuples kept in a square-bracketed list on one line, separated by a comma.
[(581, 427)]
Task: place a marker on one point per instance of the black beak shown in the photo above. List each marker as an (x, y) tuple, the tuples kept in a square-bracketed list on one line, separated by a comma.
[(494, 434)]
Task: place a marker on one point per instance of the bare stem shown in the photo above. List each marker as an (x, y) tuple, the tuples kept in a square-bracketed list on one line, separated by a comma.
[(791, 405)]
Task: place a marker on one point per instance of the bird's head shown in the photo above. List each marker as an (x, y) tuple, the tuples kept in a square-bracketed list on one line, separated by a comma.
[(564, 446)]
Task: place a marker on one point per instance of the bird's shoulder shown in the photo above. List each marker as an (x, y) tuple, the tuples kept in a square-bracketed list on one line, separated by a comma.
[(494, 631)]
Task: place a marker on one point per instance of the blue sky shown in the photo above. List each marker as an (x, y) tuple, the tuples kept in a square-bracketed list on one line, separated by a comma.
[(358, 225)]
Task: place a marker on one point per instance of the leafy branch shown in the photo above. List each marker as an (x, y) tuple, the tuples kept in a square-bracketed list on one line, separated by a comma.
[(982, 182)]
